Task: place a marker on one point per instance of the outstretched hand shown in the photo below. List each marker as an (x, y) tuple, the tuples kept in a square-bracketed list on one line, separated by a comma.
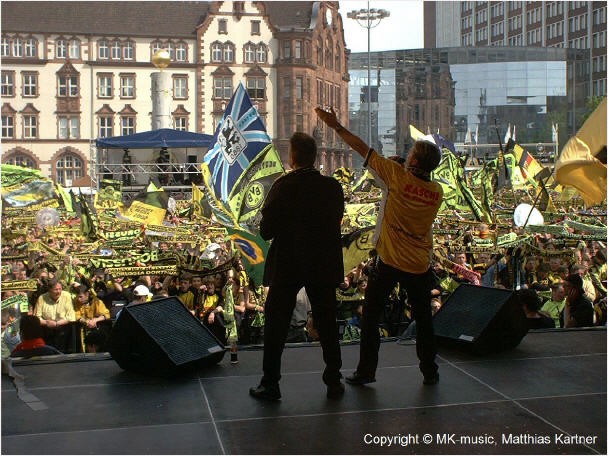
[(329, 117)]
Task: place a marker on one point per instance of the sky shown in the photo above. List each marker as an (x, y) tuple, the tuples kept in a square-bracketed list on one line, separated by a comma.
[(403, 29)]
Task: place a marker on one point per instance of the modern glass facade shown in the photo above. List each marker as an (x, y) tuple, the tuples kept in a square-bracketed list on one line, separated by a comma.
[(383, 107), (529, 88)]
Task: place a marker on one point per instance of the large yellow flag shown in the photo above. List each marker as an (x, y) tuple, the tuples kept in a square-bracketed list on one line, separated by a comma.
[(578, 165)]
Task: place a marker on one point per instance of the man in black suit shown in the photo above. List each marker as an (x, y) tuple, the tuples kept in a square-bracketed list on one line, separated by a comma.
[(302, 215)]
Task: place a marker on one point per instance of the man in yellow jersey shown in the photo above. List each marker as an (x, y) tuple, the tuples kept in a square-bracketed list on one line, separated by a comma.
[(404, 248)]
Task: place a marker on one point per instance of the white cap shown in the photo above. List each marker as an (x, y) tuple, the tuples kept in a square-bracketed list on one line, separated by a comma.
[(141, 290)]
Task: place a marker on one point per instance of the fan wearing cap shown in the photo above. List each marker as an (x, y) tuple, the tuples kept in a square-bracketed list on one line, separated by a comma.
[(141, 294), (578, 311), (404, 247)]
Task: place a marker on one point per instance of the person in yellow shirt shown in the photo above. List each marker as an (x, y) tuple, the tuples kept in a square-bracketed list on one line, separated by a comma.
[(404, 248), (89, 311), (55, 311)]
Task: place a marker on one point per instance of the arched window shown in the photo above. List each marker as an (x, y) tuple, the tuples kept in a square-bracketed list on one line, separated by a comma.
[(319, 52), (228, 53), (17, 47), (116, 50), (20, 159), (329, 58), (249, 53), (260, 55), (69, 167), (216, 52)]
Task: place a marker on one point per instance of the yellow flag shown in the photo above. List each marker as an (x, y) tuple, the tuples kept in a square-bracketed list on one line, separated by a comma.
[(578, 165)]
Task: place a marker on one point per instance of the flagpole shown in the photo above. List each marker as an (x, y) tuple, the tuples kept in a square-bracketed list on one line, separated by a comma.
[(542, 186)]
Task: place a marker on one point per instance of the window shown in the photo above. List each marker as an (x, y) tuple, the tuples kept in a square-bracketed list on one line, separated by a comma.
[(127, 125), (222, 87), (68, 86), (128, 50), (180, 123), (74, 49), (249, 53), (61, 49), (105, 126), (7, 83), (216, 52), (181, 52), (299, 88), (69, 127), (255, 27), (319, 52), (286, 88), (69, 168), (30, 126), (8, 126), (286, 49), (30, 84), (222, 26), (104, 86), (228, 53), (180, 87), (127, 86), (103, 50), (260, 54), (256, 88), (497, 9), (116, 50), (297, 51), (171, 50), (17, 47), (156, 46), (5, 47), (31, 47), (22, 160)]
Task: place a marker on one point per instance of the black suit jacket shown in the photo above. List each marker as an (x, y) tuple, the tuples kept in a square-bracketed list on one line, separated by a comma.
[(302, 215)]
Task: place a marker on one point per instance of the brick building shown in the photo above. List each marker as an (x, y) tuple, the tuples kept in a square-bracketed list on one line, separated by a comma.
[(76, 71)]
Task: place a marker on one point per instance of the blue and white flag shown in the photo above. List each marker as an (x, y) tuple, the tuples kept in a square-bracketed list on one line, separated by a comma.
[(242, 165), (240, 137)]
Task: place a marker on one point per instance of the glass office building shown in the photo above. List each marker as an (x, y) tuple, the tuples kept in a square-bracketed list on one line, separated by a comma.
[(455, 90)]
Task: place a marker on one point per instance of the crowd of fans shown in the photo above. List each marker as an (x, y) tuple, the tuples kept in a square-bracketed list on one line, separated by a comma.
[(75, 304)]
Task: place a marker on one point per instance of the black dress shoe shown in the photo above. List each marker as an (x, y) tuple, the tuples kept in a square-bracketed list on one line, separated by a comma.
[(335, 391), (431, 379), (358, 379), (267, 393)]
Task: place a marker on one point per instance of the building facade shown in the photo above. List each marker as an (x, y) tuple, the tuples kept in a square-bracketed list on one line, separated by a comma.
[(76, 71), (571, 25), (468, 91), (407, 87)]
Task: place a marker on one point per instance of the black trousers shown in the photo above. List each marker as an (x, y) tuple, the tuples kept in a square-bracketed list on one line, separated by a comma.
[(379, 287), (279, 307)]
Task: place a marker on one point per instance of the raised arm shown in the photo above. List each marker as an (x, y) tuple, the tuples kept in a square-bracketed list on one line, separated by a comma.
[(330, 119)]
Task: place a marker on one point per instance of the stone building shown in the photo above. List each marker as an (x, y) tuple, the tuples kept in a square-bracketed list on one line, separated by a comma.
[(76, 71)]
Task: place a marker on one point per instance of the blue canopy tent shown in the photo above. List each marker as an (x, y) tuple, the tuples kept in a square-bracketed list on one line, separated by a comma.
[(180, 151), (165, 137)]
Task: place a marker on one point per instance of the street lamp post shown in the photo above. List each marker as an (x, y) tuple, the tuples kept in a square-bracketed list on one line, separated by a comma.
[(369, 18)]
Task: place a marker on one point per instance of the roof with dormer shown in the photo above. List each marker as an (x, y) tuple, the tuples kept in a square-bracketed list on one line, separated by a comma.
[(139, 18)]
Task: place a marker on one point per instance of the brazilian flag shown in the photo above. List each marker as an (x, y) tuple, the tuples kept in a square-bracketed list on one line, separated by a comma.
[(253, 250)]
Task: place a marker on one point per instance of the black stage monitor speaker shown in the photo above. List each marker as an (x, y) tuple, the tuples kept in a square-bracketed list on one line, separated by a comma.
[(162, 337), (481, 319)]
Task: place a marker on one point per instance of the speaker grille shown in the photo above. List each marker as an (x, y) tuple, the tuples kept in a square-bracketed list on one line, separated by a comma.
[(468, 311), (188, 343)]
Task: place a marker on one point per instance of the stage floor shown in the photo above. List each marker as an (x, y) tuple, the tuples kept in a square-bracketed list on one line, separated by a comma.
[(547, 396)]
